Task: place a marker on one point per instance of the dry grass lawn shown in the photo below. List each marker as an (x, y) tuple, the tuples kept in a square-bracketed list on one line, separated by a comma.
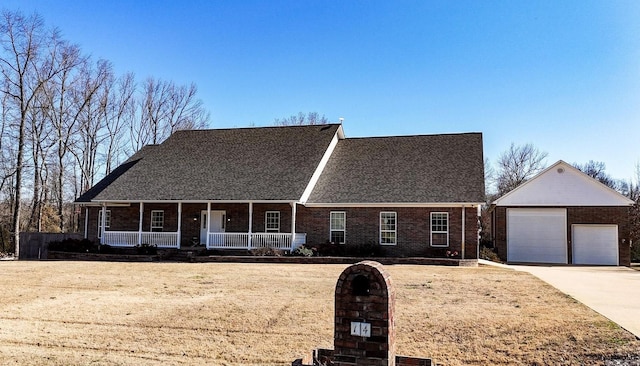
[(85, 313)]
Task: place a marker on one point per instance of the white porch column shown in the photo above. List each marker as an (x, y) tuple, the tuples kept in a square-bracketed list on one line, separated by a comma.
[(179, 223), (86, 222), (141, 216), (293, 224), (208, 223), (477, 239), (103, 222), (463, 234), (250, 224)]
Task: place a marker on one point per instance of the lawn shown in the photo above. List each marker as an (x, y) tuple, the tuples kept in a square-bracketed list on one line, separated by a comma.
[(81, 313)]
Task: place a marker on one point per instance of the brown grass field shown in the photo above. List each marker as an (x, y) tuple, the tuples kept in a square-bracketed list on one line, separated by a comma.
[(89, 313)]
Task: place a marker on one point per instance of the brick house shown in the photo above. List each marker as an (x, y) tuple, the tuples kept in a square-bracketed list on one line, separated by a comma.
[(283, 187), (562, 216)]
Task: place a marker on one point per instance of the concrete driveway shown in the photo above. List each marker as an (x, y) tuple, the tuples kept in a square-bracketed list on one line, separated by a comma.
[(611, 291)]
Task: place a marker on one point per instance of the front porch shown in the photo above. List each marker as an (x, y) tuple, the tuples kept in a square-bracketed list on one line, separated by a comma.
[(171, 240), (214, 225)]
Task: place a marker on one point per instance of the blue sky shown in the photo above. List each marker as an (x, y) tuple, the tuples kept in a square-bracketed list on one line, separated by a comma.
[(562, 75)]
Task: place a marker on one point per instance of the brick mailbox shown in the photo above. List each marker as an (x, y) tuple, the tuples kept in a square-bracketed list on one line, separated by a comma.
[(364, 333), (364, 325)]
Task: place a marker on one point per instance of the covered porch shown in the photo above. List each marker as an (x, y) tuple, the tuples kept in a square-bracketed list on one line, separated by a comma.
[(212, 224)]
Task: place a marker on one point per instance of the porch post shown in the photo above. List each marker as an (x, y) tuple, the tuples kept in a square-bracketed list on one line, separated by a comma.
[(478, 217), (141, 216), (208, 223), (463, 234), (86, 222), (103, 222), (250, 224), (179, 223), (293, 224)]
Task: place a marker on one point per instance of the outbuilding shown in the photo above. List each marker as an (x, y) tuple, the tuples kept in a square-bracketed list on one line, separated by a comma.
[(562, 216)]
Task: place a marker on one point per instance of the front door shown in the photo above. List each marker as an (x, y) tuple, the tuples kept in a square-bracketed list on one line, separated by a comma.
[(217, 223)]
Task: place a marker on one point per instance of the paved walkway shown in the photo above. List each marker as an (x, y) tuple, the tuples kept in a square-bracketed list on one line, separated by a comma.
[(611, 291)]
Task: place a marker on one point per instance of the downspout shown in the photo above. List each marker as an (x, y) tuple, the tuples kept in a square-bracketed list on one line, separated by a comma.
[(463, 233)]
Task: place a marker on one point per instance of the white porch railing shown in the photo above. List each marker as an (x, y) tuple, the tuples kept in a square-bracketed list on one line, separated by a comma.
[(280, 241), (228, 240), (133, 238), (160, 239)]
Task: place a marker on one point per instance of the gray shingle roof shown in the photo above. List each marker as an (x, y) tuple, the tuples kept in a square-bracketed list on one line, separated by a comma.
[(268, 163), (115, 174), (405, 169)]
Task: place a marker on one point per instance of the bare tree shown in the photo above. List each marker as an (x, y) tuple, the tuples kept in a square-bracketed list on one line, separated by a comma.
[(518, 164), (183, 110), (311, 118), (91, 98), (631, 189), (41, 143), (64, 122), (596, 170), (26, 65), (120, 112), (164, 109), (64, 98)]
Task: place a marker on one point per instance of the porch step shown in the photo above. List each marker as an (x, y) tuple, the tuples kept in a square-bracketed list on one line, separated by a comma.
[(181, 255)]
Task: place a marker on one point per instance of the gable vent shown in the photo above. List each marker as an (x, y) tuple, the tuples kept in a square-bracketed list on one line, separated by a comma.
[(560, 170)]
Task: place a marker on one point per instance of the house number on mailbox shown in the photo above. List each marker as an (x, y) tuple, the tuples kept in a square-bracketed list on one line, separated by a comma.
[(361, 329)]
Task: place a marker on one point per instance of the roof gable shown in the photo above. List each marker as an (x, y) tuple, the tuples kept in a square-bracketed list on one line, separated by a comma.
[(422, 169), (562, 185), (241, 164)]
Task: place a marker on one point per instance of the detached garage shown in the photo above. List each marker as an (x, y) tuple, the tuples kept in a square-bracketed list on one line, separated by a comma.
[(562, 216)]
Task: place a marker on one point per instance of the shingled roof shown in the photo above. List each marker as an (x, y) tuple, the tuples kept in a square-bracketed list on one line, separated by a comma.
[(241, 164), (407, 169)]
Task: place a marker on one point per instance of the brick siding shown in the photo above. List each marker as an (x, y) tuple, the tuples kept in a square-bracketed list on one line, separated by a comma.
[(413, 228), (362, 226)]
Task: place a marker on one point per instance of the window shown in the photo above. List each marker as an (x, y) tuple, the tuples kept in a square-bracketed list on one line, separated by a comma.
[(337, 227), (157, 220), (439, 229), (388, 228), (107, 222), (272, 222)]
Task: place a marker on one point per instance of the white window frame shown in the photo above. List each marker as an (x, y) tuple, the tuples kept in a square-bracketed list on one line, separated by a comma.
[(395, 227), (107, 222), (151, 224), (268, 229), (344, 224), (431, 224)]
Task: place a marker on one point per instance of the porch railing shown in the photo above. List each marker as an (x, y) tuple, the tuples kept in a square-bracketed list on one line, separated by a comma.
[(228, 240), (133, 238), (280, 241)]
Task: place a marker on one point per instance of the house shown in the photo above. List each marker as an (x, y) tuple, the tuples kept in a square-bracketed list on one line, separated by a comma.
[(562, 216), (283, 187)]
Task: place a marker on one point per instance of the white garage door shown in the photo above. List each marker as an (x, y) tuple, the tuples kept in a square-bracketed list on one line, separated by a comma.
[(537, 235), (595, 244)]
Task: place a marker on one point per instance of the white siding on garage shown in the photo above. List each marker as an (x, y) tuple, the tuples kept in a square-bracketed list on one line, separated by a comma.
[(595, 244), (537, 235), (562, 185)]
